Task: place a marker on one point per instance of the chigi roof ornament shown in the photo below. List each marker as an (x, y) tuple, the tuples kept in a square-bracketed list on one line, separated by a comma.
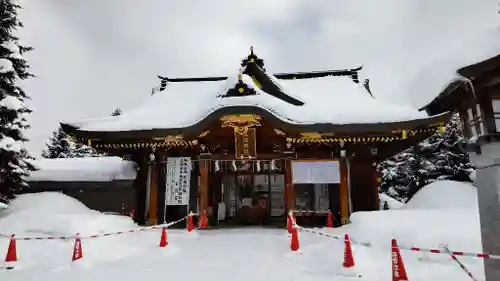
[(253, 58)]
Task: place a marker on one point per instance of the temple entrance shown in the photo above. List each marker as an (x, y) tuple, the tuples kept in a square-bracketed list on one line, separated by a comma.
[(252, 199)]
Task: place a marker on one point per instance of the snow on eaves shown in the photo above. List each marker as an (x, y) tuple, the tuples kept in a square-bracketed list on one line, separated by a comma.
[(93, 169), (441, 69), (331, 99)]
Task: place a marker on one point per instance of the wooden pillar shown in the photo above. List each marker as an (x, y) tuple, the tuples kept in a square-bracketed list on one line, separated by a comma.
[(289, 188), (153, 194), (375, 184), (344, 191), (161, 163), (203, 185), (140, 185)]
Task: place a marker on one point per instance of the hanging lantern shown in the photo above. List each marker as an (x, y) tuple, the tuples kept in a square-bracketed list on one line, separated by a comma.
[(217, 166), (258, 165)]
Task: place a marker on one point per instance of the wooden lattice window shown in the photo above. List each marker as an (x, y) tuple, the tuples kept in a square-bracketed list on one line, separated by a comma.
[(495, 104), (475, 120)]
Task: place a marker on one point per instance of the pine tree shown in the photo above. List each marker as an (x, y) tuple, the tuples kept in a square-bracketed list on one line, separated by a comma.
[(438, 157), (117, 112), (82, 150), (59, 146), (14, 160)]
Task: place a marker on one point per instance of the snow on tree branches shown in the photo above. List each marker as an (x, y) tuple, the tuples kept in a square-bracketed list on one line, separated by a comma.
[(117, 112), (438, 157), (14, 159), (61, 146)]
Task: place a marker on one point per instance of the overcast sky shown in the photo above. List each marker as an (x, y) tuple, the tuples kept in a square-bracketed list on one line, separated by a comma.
[(92, 56)]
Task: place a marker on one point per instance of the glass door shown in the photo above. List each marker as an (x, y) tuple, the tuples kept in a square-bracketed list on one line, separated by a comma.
[(277, 194), (261, 191)]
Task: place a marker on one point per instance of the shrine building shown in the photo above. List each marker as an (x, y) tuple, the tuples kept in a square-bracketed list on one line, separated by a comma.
[(249, 147)]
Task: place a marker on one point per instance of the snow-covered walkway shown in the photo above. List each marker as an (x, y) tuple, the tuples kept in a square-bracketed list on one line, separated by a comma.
[(252, 254)]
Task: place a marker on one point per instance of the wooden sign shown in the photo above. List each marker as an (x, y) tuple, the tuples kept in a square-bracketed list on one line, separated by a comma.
[(245, 144)]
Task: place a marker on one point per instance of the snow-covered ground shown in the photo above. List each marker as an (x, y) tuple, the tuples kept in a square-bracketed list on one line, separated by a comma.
[(245, 253)]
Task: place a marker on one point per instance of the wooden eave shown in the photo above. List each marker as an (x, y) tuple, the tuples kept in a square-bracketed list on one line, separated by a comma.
[(210, 120)]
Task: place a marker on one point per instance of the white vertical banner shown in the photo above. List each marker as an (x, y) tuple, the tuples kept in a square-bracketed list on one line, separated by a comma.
[(178, 181)]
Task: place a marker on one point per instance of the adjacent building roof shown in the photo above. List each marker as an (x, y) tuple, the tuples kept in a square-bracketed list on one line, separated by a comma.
[(461, 64), (330, 97)]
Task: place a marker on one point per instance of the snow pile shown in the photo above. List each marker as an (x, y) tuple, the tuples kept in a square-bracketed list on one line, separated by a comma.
[(445, 195), (443, 212), (391, 202), (55, 214), (83, 169)]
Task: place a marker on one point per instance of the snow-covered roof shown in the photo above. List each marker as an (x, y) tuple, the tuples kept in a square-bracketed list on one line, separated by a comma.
[(330, 100), (442, 69), (83, 169)]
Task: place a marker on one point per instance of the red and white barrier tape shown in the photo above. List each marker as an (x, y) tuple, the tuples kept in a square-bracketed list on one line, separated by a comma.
[(300, 228), (413, 249), (462, 266), (138, 229), (463, 254)]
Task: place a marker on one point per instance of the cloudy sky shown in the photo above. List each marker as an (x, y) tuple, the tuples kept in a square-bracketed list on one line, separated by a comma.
[(95, 55)]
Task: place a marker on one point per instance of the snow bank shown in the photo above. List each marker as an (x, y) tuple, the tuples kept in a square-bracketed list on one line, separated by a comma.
[(393, 203), (443, 212), (55, 214), (422, 228), (83, 169), (444, 194)]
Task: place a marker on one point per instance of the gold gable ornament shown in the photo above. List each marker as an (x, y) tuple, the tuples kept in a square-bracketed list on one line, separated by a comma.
[(240, 123)]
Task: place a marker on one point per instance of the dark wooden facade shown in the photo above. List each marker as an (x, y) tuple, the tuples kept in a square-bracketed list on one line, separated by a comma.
[(262, 147), (117, 197)]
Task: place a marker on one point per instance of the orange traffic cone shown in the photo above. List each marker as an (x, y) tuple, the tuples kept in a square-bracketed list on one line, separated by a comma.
[(11, 252), (204, 220), (329, 222), (190, 226), (398, 267), (77, 249), (163, 239), (289, 224), (294, 242), (348, 257)]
